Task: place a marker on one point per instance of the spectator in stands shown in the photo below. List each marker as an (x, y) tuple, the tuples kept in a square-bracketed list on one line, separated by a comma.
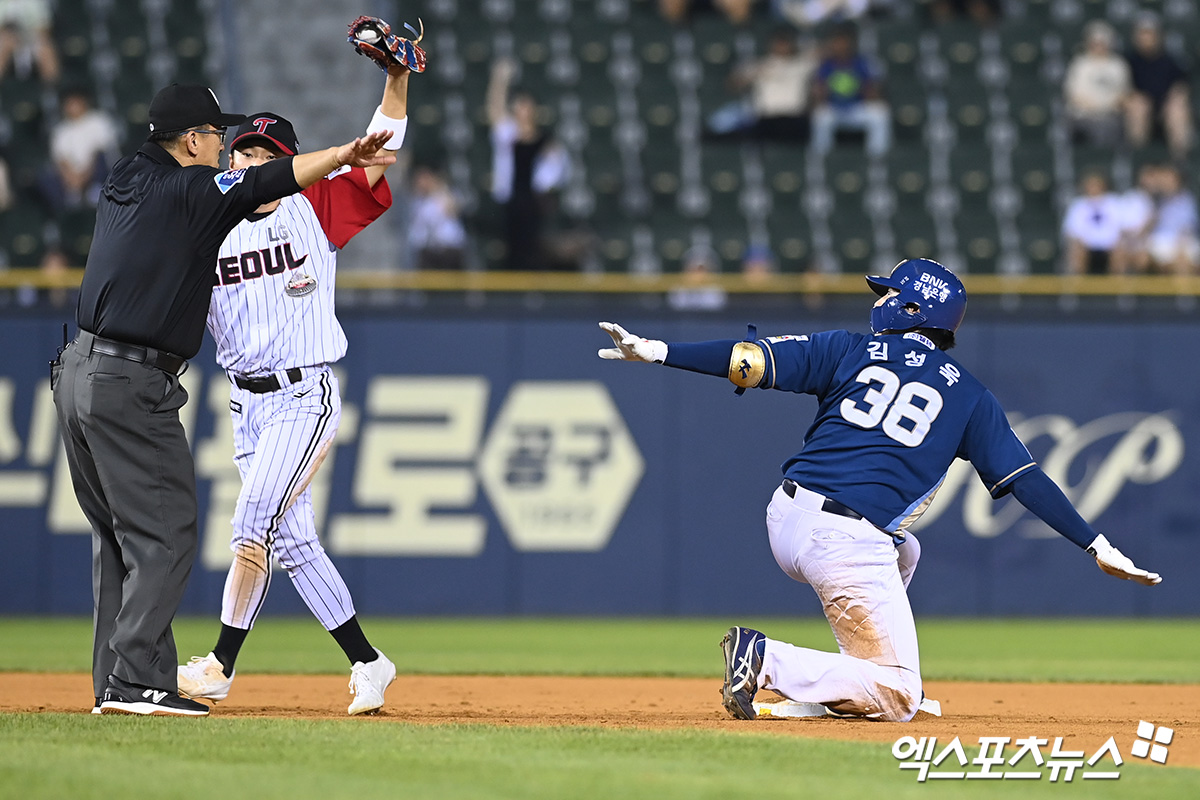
[(83, 146), (847, 95), (1097, 87), (757, 263), (1137, 215), (1173, 242), (55, 265), (435, 231), (676, 11), (1160, 90), (778, 91), (983, 12), (805, 14), (6, 190), (25, 42), (528, 168), (699, 291), (1092, 228)]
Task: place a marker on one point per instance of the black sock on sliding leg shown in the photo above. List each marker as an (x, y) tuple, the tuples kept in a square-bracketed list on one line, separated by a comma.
[(229, 644), (353, 642)]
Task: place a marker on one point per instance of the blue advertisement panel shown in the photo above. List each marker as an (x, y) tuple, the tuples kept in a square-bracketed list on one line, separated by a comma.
[(499, 467)]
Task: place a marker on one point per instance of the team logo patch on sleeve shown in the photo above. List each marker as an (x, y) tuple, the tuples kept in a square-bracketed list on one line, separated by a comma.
[(229, 179)]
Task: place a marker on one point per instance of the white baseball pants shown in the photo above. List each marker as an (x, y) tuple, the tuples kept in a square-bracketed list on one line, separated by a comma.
[(855, 571), (280, 440)]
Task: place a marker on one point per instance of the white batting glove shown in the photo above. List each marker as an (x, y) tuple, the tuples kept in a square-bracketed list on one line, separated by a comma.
[(1116, 563), (630, 347)]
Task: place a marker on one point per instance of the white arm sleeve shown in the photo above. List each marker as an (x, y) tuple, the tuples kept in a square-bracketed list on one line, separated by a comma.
[(382, 122)]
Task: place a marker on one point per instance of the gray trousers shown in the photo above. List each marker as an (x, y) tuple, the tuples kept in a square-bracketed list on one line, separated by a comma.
[(135, 481)]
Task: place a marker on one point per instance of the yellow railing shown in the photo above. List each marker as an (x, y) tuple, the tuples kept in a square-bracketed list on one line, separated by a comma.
[(803, 284)]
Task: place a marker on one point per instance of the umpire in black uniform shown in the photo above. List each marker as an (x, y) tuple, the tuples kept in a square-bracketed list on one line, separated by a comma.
[(162, 216)]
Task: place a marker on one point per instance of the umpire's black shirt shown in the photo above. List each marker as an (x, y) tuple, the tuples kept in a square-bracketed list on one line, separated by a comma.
[(150, 273)]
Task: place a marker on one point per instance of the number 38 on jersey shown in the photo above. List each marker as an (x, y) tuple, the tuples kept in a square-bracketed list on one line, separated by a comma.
[(906, 410)]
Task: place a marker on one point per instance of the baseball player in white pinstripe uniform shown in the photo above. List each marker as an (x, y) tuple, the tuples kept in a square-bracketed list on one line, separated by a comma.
[(272, 316)]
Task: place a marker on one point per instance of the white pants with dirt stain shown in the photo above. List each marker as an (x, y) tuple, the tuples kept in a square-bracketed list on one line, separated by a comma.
[(861, 577)]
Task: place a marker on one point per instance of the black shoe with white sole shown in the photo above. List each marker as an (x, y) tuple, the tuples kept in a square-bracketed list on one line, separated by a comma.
[(121, 697)]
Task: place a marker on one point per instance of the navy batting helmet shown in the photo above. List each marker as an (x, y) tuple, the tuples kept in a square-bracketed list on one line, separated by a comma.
[(929, 296)]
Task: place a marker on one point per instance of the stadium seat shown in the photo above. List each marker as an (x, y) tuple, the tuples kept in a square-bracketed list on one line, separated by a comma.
[(75, 233), (853, 243), (729, 238), (967, 100), (1021, 45), (898, 46), (1029, 106), (978, 240), (783, 173), (958, 44), (908, 173), (22, 234), (971, 173), (909, 102), (185, 25), (914, 231), (1040, 240), (22, 103), (673, 237), (73, 31), (722, 166)]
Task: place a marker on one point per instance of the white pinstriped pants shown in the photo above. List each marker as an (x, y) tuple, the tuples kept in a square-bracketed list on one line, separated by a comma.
[(852, 566), (280, 440)]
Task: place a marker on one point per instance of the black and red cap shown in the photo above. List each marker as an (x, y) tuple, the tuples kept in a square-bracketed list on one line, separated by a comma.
[(272, 127), (181, 106)]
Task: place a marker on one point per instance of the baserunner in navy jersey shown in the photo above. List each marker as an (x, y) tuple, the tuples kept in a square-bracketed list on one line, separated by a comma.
[(895, 412)]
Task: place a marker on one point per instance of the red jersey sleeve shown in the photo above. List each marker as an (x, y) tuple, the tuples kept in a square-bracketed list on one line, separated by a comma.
[(345, 203)]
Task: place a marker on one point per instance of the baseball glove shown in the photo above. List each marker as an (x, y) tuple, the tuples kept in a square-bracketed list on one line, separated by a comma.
[(373, 38)]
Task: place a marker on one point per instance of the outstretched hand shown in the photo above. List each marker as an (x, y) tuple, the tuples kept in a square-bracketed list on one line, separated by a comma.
[(1119, 565), (364, 151), (630, 347)]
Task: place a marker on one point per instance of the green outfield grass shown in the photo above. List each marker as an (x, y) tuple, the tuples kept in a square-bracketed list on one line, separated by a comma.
[(81, 756), (75, 756), (1140, 650)]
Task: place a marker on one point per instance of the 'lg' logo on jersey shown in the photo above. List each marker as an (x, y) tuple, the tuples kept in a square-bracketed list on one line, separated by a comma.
[(256, 263)]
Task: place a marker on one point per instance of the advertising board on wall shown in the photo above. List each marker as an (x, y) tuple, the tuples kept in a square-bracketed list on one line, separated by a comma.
[(497, 467)]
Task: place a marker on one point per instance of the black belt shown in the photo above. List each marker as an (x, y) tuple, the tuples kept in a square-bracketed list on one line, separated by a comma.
[(270, 383), (160, 359), (830, 505)]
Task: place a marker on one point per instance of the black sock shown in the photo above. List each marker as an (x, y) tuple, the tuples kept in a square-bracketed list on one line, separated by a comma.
[(353, 642), (229, 644)]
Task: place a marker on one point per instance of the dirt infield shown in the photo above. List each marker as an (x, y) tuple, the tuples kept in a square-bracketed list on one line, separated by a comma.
[(1085, 714)]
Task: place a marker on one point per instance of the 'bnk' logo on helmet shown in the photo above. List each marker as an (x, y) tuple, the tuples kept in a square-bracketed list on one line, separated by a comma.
[(931, 287)]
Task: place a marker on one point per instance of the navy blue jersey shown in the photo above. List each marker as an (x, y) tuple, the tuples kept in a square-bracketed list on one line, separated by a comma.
[(894, 414)]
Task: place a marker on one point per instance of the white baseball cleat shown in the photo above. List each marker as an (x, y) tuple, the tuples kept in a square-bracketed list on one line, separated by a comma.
[(203, 678), (368, 682)]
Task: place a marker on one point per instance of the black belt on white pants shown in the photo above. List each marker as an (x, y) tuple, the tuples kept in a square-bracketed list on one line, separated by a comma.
[(267, 383), (831, 506)]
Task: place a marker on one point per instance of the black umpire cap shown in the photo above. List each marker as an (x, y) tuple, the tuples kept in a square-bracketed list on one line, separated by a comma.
[(182, 106), (273, 128)]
